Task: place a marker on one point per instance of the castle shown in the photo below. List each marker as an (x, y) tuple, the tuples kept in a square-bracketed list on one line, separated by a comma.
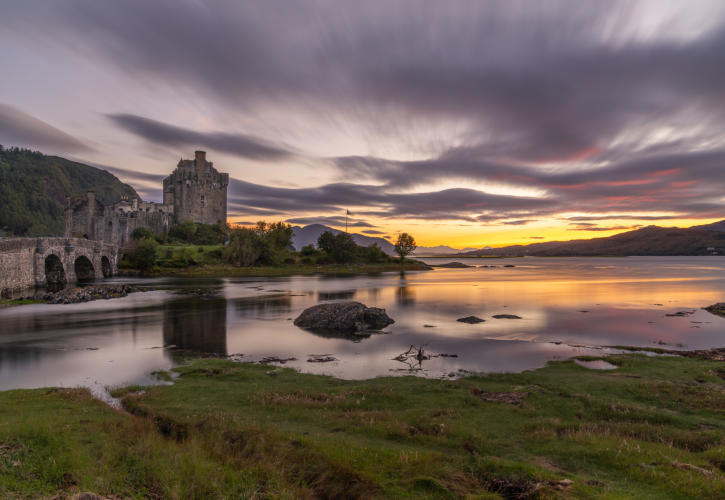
[(195, 190)]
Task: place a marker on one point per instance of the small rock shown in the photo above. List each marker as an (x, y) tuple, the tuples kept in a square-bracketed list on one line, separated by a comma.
[(471, 320), (506, 316)]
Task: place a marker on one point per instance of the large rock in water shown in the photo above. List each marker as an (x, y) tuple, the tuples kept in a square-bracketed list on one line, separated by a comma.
[(347, 317)]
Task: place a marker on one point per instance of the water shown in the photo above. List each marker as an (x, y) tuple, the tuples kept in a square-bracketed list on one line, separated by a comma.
[(568, 306)]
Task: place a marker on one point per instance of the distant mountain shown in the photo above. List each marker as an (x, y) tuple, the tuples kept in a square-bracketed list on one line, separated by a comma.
[(440, 250), (650, 240), (34, 187), (308, 235), (715, 226)]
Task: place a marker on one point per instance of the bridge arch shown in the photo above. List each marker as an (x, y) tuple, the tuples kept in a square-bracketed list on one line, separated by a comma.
[(83, 267), (54, 272), (106, 268)]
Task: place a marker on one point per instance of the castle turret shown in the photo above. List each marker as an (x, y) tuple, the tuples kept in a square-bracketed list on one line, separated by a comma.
[(200, 160)]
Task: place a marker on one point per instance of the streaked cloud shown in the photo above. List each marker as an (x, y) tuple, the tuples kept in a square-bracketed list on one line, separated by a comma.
[(21, 129)]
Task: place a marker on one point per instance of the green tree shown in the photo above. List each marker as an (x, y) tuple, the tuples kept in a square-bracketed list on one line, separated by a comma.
[(340, 247), (405, 245), (146, 254), (140, 233), (245, 247), (188, 229), (373, 254)]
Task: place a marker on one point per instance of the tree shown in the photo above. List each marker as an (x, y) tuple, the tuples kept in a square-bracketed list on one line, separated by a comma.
[(245, 247), (146, 254), (405, 245), (140, 233), (188, 229), (340, 247)]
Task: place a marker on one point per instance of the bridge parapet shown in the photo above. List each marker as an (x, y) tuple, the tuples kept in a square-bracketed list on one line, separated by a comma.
[(28, 262)]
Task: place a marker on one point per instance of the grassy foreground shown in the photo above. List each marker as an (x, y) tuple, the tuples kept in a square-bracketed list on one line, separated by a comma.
[(653, 428)]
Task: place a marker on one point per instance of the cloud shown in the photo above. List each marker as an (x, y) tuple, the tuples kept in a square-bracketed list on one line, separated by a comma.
[(603, 108), (520, 222), (163, 134), (372, 231), (23, 130)]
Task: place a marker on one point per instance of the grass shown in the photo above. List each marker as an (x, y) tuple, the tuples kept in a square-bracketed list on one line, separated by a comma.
[(18, 302), (653, 428)]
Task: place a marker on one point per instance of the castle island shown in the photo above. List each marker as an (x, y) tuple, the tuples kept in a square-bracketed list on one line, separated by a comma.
[(195, 191), (94, 233)]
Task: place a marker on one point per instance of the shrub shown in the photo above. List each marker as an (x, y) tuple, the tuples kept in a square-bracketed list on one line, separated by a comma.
[(140, 233), (146, 254)]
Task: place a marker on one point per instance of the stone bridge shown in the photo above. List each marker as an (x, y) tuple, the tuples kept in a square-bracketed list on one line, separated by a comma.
[(30, 262)]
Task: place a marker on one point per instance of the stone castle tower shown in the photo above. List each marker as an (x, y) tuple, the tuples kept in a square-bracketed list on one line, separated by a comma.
[(197, 191)]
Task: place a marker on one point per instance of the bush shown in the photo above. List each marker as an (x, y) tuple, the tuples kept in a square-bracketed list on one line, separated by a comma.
[(339, 247), (266, 244), (373, 254), (245, 247), (309, 251), (198, 234), (140, 233), (146, 254)]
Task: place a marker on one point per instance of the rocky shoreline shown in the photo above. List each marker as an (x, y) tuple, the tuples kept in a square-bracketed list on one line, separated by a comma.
[(75, 295)]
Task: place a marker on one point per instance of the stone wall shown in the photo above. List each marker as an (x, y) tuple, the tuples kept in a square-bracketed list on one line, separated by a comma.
[(23, 261)]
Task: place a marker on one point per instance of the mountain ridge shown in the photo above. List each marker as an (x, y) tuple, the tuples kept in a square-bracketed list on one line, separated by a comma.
[(649, 240)]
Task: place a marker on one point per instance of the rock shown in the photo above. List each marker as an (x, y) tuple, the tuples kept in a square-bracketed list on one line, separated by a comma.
[(348, 316), (88, 293), (471, 320), (321, 358), (718, 309), (681, 314), (506, 316), (509, 265), (452, 265)]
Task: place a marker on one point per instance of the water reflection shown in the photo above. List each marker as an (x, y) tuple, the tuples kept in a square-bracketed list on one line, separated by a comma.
[(338, 295), (120, 341), (196, 324)]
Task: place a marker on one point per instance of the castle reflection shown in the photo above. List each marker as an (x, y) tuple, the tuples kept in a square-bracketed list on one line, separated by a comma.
[(195, 324)]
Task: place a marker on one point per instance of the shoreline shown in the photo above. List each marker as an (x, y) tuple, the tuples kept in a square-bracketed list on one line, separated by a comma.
[(563, 430)]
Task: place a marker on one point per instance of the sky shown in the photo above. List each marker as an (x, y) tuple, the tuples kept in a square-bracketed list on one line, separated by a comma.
[(466, 123)]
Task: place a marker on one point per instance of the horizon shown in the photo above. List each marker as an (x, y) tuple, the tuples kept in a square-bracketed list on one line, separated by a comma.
[(464, 124)]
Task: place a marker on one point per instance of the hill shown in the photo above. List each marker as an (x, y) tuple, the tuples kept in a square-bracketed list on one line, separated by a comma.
[(650, 240), (34, 187), (308, 235)]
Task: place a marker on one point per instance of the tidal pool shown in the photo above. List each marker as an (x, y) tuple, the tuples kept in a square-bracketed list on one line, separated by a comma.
[(568, 307)]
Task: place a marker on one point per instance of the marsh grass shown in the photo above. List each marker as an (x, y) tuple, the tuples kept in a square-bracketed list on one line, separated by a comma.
[(653, 428)]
